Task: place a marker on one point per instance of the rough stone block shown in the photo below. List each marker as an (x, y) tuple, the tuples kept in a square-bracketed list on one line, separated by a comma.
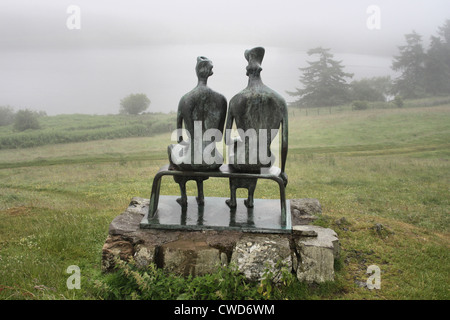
[(115, 248), (253, 255), (144, 255), (187, 257), (317, 255), (304, 211), (304, 231)]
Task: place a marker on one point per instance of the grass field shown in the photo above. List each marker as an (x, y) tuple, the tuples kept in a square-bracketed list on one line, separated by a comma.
[(82, 127), (381, 175)]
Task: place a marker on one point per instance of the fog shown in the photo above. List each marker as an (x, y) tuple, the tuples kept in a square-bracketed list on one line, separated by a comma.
[(150, 47)]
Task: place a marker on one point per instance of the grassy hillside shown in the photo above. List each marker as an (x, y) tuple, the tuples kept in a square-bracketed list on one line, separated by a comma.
[(82, 127), (381, 175)]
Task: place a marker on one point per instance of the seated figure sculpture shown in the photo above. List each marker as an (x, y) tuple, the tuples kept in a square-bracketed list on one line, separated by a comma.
[(258, 113), (199, 110)]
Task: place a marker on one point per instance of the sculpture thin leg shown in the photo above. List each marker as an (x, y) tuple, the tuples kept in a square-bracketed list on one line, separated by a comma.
[(183, 200), (232, 201), (200, 196), (251, 191)]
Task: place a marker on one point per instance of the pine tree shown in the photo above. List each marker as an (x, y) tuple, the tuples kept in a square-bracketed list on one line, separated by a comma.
[(411, 64), (324, 82), (437, 63)]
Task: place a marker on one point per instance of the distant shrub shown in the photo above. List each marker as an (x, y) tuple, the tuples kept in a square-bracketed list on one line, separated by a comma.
[(26, 119), (134, 104), (6, 115), (398, 101), (360, 105)]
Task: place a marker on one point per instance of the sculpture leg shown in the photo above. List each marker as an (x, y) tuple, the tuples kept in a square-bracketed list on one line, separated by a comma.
[(200, 196), (232, 201), (182, 183), (251, 186), (169, 152)]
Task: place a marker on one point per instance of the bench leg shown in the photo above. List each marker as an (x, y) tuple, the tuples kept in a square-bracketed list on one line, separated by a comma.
[(154, 198), (283, 203)]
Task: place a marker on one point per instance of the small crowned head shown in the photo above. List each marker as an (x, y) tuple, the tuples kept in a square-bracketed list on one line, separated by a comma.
[(254, 57), (203, 68)]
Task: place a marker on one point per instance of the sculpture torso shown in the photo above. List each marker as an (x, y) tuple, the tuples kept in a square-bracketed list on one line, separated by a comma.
[(256, 107), (205, 105), (199, 110)]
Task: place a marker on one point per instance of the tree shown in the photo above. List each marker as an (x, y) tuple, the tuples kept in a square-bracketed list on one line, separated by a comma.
[(411, 64), (6, 115), (371, 89), (324, 81), (444, 32), (437, 62), (26, 119), (134, 103)]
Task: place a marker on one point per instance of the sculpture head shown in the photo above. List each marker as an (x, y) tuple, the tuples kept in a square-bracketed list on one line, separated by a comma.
[(254, 57), (203, 68)]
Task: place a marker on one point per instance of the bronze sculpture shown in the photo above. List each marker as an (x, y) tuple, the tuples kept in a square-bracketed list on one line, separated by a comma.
[(258, 113), (200, 109), (261, 109)]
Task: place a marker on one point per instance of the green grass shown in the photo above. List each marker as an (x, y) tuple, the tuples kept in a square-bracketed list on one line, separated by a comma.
[(79, 127), (377, 166)]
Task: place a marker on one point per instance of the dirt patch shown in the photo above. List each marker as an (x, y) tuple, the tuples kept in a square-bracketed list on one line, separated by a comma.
[(18, 211)]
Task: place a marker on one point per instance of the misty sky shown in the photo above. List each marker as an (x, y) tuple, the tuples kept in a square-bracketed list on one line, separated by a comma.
[(150, 47)]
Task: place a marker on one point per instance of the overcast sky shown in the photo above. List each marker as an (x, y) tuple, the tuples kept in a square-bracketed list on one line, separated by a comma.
[(150, 47)]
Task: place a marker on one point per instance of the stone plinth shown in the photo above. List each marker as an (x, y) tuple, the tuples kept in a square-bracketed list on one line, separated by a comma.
[(309, 251)]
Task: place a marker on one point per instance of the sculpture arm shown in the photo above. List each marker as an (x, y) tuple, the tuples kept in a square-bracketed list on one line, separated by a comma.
[(284, 144), (228, 127), (179, 124), (223, 114)]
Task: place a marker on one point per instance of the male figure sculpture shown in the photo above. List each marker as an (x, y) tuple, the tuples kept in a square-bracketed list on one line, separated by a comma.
[(261, 109), (199, 110)]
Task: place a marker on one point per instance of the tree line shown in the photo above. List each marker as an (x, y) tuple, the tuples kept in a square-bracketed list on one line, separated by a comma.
[(26, 119), (422, 73), (22, 119)]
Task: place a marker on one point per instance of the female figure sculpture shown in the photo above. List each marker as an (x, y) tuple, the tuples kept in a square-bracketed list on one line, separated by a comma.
[(258, 113)]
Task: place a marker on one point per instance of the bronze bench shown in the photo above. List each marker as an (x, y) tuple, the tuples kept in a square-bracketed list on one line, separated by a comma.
[(224, 172)]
